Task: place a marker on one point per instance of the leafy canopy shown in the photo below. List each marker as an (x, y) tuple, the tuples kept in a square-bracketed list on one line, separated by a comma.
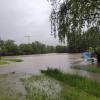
[(74, 16)]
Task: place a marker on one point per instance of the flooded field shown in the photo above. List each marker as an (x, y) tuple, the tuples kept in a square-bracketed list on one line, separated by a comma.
[(32, 64), (24, 80)]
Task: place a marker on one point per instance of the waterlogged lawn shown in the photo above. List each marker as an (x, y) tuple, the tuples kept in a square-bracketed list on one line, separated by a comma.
[(8, 60), (14, 60), (2, 76), (90, 68), (51, 85), (8, 88), (81, 88), (3, 62)]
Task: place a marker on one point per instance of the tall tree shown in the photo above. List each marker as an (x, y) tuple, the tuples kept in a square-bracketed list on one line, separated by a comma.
[(74, 16)]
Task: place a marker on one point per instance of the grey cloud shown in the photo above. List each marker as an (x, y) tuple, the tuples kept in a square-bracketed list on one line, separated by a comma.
[(21, 17)]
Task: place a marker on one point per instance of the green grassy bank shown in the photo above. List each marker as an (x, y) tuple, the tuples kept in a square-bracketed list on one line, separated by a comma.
[(90, 87), (8, 60), (90, 68)]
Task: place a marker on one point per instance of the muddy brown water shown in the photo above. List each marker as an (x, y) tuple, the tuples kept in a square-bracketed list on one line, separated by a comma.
[(32, 64)]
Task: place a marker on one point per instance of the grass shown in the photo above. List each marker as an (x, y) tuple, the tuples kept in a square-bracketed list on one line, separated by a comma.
[(90, 68), (6, 60), (55, 85), (91, 87), (72, 93), (13, 60), (51, 85), (7, 89), (3, 62), (9, 94), (41, 88), (2, 76), (41, 91)]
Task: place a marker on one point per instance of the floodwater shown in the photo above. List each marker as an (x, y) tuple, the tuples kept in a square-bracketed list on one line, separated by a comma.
[(32, 64)]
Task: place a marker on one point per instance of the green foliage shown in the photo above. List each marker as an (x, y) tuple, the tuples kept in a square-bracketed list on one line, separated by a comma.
[(91, 49), (46, 88), (74, 15), (89, 86), (38, 48), (25, 49), (61, 49), (10, 48), (89, 40), (98, 48), (50, 49), (74, 21)]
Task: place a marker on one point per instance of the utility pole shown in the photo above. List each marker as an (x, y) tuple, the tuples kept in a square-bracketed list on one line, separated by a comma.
[(0, 48), (28, 38)]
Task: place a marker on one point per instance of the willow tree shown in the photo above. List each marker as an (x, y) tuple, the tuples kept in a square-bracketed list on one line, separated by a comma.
[(74, 17)]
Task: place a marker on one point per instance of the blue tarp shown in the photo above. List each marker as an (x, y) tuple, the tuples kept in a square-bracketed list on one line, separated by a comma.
[(87, 55)]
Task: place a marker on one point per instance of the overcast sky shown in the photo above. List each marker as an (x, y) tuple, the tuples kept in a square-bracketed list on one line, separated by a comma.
[(21, 17)]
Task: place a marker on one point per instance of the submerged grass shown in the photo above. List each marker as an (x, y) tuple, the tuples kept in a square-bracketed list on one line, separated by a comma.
[(8, 90), (90, 68), (7, 60), (9, 94), (86, 85), (14, 60), (3, 62), (3, 76)]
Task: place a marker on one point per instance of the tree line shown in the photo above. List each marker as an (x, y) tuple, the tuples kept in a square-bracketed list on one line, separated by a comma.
[(81, 42), (9, 48)]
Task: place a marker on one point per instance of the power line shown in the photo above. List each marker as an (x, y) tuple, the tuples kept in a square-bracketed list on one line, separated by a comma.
[(28, 38), (0, 47)]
